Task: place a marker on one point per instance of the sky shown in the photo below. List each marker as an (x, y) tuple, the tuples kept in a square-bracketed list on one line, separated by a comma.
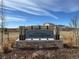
[(36, 12)]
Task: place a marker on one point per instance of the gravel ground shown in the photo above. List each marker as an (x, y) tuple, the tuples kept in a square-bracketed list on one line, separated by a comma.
[(43, 54)]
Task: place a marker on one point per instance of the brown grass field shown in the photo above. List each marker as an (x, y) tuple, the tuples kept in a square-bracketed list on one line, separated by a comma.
[(66, 37), (64, 53)]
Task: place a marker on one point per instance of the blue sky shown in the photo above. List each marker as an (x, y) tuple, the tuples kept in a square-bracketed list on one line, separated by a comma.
[(36, 12)]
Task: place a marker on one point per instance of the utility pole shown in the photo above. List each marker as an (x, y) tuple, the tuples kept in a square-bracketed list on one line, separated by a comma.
[(2, 21)]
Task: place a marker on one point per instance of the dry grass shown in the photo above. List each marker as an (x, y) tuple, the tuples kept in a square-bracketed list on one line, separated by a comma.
[(9, 40), (43, 54), (67, 38)]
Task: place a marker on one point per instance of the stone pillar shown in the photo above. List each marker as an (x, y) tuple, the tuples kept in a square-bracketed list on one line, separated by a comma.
[(21, 33), (58, 33), (31, 29), (39, 27), (57, 36), (47, 27)]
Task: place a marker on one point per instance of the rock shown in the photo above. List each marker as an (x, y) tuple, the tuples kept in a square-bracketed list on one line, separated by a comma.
[(39, 55), (1, 49)]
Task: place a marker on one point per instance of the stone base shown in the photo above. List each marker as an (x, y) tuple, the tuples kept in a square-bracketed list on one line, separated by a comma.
[(39, 44)]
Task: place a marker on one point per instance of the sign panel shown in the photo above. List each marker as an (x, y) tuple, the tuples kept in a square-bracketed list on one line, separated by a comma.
[(39, 34)]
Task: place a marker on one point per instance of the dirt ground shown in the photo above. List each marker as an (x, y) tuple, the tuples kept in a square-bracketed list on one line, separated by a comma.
[(43, 54)]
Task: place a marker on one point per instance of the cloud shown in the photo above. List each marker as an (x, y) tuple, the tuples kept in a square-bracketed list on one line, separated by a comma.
[(28, 6), (13, 19), (60, 5), (42, 7), (38, 8), (16, 19), (9, 19)]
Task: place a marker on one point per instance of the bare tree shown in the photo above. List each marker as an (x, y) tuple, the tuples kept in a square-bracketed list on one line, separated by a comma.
[(75, 25)]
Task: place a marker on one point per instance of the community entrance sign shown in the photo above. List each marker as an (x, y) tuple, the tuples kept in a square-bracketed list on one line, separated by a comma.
[(39, 34), (47, 38)]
